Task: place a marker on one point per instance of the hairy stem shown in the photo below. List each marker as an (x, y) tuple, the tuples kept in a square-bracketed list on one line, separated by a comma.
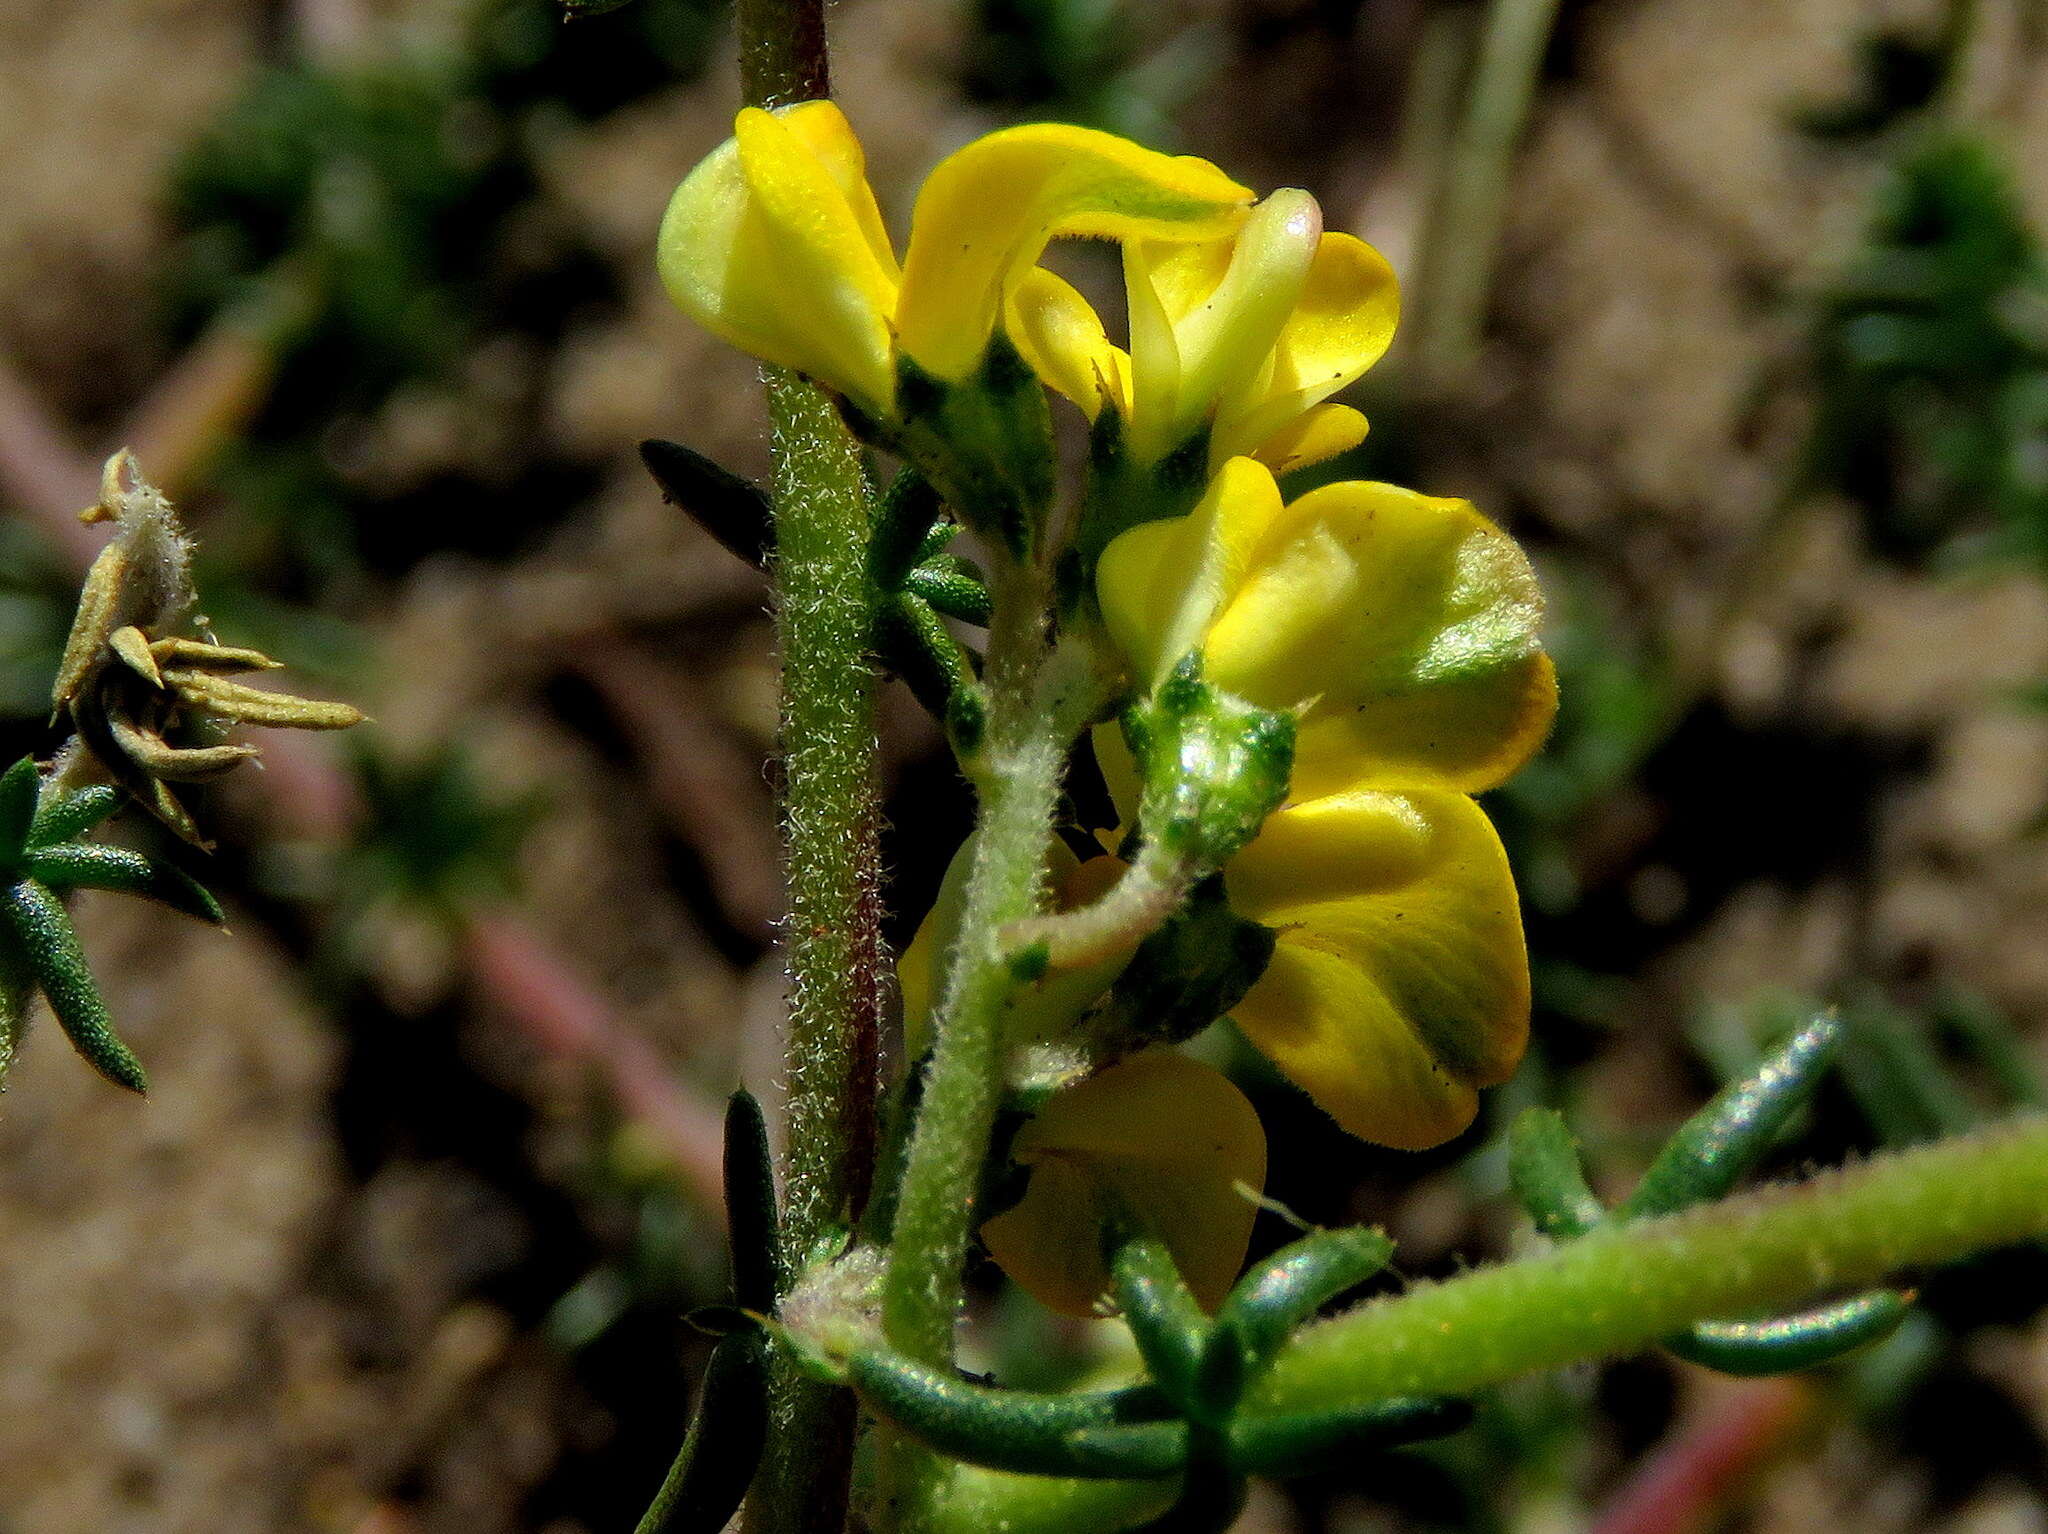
[(1619, 1290), (822, 509), (1037, 702)]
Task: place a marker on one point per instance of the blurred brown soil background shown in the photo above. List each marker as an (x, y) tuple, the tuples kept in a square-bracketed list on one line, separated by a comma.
[(304, 1287)]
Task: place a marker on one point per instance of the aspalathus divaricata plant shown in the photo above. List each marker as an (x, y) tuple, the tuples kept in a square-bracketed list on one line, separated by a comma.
[(1293, 704), (150, 695)]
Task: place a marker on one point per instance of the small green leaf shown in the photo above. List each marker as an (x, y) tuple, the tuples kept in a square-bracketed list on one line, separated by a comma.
[(85, 865), (1289, 1287), (733, 510), (1304, 1443), (37, 921), (1166, 1321), (1548, 1179), (954, 587), (750, 1205), (18, 789), (1717, 1145), (61, 817), (1751, 1348), (904, 519), (715, 1466), (913, 641), (1112, 1435)]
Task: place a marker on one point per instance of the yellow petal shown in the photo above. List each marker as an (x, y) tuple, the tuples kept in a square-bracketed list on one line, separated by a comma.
[(782, 209), (1399, 983), (1062, 340), (987, 211), (1313, 437), (1407, 625), (1161, 584), (1228, 336), (1168, 1137), (1341, 326)]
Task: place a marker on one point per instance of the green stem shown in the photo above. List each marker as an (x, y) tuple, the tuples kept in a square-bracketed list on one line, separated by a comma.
[(1617, 1291), (822, 511), (1037, 703)]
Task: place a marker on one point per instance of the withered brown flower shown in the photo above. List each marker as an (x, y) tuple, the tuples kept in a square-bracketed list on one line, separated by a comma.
[(149, 690)]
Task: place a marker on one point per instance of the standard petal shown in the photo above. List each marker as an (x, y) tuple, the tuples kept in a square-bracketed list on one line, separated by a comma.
[(1407, 625), (987, 211), (767, 216), (1167, 1136), (1062, 340), (1161, 584), (1399, 984)]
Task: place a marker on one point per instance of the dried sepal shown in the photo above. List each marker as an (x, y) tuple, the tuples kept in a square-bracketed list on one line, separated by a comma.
[(146, 688)]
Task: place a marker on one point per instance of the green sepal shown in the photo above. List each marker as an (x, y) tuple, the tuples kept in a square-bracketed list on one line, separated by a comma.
[(1279, 1294), (1106, 1435), (1752, 1348), (1305, 1443), (19, 786), (904, 518), (1548, 1179), (954, 586), (1717, 1145), (722, 1449), (914, 642), (735, 511), (1183, 977), (61, 817), (1166, 1321), (1124, 491), (38, 923), (753, 1235), (1212, 766), (985, 443), (88, 865)]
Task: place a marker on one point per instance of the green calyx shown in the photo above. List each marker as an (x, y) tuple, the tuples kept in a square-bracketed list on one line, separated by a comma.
[(985, 443), (1212, 767)]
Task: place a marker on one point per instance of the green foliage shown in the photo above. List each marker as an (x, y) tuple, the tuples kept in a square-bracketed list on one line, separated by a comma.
[(1930, 354), (1702, 1162), (716, 1464), (41, 861), (430, 836)]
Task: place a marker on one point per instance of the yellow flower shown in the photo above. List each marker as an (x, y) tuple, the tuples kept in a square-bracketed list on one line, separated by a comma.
[(1246, 335), (1402, 630), (1167, 1138), (774, 242)]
